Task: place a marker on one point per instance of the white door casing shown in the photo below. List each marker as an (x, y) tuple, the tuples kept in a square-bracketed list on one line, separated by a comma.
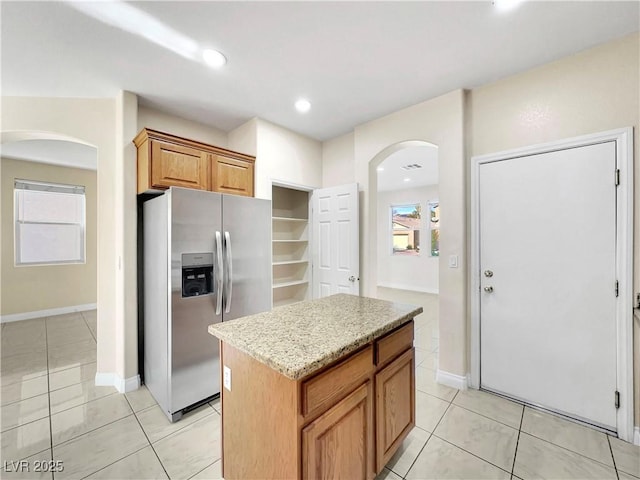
[(335, 237), (552, 332)]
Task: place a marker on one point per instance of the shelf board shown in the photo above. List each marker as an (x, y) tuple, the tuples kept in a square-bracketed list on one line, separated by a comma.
[(290, 241), (290, 219), (290, 283), (290, 262)]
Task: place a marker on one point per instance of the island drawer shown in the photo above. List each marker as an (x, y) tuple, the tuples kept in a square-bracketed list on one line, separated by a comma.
[(328, 387), (393, 344)]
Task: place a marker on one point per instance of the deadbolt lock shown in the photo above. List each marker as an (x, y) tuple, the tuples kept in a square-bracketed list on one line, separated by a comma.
[(488, 273), (488, 289)]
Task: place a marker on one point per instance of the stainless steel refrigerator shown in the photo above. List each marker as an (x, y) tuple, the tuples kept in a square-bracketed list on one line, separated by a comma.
[(207, 259)]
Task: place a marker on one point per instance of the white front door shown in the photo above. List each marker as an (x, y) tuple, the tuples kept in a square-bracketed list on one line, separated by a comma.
[(336, 262), (547, 230)]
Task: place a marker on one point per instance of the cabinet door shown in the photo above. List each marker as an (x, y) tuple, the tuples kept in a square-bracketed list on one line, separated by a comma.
[(395, 406), (179, 166), (339, 444), (233, 176)]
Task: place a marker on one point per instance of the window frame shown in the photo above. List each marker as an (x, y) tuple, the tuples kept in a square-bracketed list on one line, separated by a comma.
[(431, 228), (420, 230), (21, 185)]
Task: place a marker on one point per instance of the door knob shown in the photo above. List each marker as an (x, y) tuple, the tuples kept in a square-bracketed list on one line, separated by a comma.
[(352, 278), (488, 289), (488, 273)]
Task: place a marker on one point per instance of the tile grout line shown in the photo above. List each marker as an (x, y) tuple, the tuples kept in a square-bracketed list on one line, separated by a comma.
[(46, 349), (471, 453), (450, 443), (515, 454), (485, 416), (87, 324), (615, 467), (569, 450), (200, 471), (431, 434), (147, 437)]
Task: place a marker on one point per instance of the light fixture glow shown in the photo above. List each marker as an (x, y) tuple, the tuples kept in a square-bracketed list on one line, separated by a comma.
[(504, 5), (213, 58), (303, 105), (380, 169), (407, 179), (126, 17)]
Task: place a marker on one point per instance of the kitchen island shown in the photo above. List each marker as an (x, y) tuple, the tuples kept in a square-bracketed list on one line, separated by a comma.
[(317, 389)]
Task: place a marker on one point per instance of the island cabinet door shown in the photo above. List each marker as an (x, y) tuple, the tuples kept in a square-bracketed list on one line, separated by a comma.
[(339, 443), (395, 406)]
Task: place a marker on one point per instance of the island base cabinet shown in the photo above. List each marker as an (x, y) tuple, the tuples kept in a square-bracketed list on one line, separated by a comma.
[(339, 443), (395, 406)]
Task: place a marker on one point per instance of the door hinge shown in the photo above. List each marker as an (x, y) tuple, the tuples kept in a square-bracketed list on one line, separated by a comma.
[(617, 177), (617, 288), (617, 399)]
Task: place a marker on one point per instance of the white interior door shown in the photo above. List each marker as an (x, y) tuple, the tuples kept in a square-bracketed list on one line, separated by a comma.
[(336, 262), (547, 268)]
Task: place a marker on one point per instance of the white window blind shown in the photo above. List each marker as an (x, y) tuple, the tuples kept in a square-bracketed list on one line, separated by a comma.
[(49, 223)]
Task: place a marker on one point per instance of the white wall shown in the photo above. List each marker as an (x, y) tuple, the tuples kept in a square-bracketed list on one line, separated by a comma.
[(181, 127), (406, 272), (337, 161), (285, 156)]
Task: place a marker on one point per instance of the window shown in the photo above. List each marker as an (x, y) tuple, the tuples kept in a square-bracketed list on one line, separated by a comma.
[(49, 223), (434, 227), (405, 229)]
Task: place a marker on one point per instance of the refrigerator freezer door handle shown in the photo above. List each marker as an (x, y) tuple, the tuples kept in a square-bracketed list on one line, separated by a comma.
[(227, 241), (219, 272)]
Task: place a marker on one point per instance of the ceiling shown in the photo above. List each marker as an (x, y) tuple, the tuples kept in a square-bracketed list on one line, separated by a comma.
[(355, 61), (393, 173)]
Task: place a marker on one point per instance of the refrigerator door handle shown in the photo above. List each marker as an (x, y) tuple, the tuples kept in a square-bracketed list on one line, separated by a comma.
[(227, 241), (219, 272)]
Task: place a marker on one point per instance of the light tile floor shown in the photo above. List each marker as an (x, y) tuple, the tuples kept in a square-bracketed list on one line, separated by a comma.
[(52, 411)]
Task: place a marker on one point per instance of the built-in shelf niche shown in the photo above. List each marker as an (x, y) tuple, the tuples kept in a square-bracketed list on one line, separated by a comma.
[(290, 235)]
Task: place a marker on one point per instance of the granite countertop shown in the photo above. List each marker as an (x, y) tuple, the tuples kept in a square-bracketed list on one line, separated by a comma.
[(298, 339)]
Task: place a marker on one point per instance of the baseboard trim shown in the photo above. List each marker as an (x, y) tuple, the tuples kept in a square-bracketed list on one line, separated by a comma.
[(15, 317), (412, 288), (451, 380), (636, 436), (123, 385)]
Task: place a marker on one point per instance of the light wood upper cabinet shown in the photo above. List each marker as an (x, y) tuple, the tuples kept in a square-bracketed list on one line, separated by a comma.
[(165, 160), (176, 165), (233, 176)]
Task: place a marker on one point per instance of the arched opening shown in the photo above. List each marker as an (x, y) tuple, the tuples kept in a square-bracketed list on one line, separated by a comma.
[(55, 176), (404, 216)]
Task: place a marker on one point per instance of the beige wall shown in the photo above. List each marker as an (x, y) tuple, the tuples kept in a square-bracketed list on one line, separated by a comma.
[(337, 161), (90, 121), (157, 120), (438, 121), (593, 91), (35, 288)]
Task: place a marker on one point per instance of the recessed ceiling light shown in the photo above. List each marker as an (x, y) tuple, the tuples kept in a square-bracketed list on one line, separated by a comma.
[(303, 105), (407, 179), (380, 169), (213, 58)]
